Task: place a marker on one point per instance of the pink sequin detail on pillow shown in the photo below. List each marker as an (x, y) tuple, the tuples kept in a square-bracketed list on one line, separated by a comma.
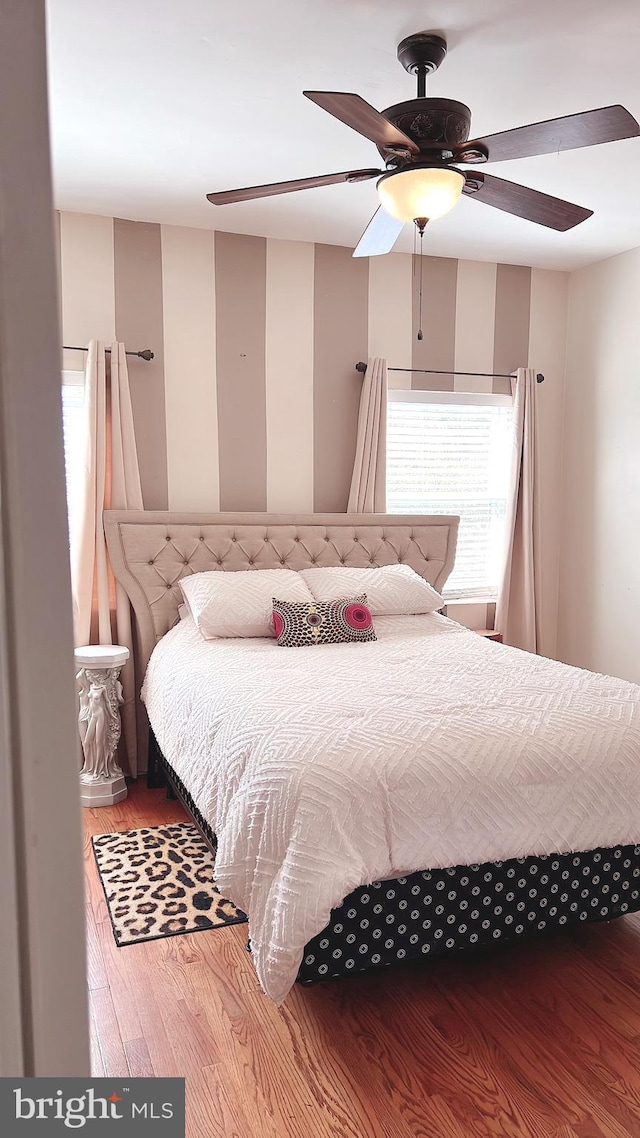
[(357, 616)]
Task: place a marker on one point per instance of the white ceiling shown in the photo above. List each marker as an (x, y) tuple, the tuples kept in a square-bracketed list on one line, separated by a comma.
[(154, 103)]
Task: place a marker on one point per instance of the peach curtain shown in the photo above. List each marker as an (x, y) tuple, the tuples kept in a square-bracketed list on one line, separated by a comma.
[(368, 494), (517, 609), (111, 480)]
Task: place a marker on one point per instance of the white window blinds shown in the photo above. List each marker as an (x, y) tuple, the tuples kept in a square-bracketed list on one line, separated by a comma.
[(72, 425), (449, 453)]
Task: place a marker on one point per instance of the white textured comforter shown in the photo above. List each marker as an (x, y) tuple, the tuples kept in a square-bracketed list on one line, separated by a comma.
[(324, 768)]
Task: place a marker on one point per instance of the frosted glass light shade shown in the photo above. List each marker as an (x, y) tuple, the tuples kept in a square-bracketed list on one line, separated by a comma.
[(420, 192)]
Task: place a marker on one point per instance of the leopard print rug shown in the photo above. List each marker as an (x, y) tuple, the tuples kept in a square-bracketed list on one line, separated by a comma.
[(160, 882)]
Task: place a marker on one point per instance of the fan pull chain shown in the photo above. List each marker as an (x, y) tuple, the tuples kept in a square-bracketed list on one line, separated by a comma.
[(420, 293), (420, 223)]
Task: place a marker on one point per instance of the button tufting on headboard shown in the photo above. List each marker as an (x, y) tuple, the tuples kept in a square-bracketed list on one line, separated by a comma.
[(149, 561)]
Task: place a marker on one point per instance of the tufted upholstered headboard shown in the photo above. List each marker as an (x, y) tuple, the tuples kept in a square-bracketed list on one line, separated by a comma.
[(151, 550)]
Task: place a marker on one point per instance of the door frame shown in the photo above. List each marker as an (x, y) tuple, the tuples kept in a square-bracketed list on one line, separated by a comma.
[(43, 1000)]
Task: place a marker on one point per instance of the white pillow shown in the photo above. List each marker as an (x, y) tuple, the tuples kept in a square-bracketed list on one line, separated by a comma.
[(392, 590), (240, 604)]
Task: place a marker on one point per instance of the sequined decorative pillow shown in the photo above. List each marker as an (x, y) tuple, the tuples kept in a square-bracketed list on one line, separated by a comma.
[(322, 622)]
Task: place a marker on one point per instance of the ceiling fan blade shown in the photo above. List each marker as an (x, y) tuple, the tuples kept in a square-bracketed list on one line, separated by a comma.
[(380, 235), (590, 128), (524, 201), (226, 197), (364, 118)]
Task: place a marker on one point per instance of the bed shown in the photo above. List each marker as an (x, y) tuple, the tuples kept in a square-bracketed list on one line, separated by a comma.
[(377, 803)]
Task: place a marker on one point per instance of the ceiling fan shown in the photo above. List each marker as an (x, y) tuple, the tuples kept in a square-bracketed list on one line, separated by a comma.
[(423, 141)]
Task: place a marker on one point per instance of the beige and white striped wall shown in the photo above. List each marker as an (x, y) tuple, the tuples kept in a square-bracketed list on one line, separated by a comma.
[(251, 400)]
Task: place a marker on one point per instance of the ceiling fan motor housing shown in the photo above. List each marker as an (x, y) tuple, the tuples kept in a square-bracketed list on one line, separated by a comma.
[(430, 123)]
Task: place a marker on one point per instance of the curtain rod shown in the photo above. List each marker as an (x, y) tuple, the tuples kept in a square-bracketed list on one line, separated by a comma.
[(362, 367), (146, 354)]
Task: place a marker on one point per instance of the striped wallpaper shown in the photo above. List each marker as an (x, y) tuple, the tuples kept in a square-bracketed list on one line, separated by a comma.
[(251, 400)]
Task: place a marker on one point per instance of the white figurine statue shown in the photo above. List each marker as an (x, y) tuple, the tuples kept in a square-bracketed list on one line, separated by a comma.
[(95, 740), (83, 695), (100, 697)]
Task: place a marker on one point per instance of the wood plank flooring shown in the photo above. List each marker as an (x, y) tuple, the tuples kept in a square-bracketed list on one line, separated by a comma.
[(536, 1041)]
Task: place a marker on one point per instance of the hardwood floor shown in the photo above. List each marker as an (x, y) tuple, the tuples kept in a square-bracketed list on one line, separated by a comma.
[(536, 1041)]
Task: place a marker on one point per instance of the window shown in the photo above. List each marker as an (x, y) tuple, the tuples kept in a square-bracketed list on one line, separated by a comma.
[(72, 428), (449, 453)]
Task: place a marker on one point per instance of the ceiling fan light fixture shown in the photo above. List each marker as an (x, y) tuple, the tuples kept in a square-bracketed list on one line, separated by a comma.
[(420, 191)]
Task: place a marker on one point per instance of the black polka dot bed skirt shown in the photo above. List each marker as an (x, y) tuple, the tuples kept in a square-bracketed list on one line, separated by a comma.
[(441, 910)]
